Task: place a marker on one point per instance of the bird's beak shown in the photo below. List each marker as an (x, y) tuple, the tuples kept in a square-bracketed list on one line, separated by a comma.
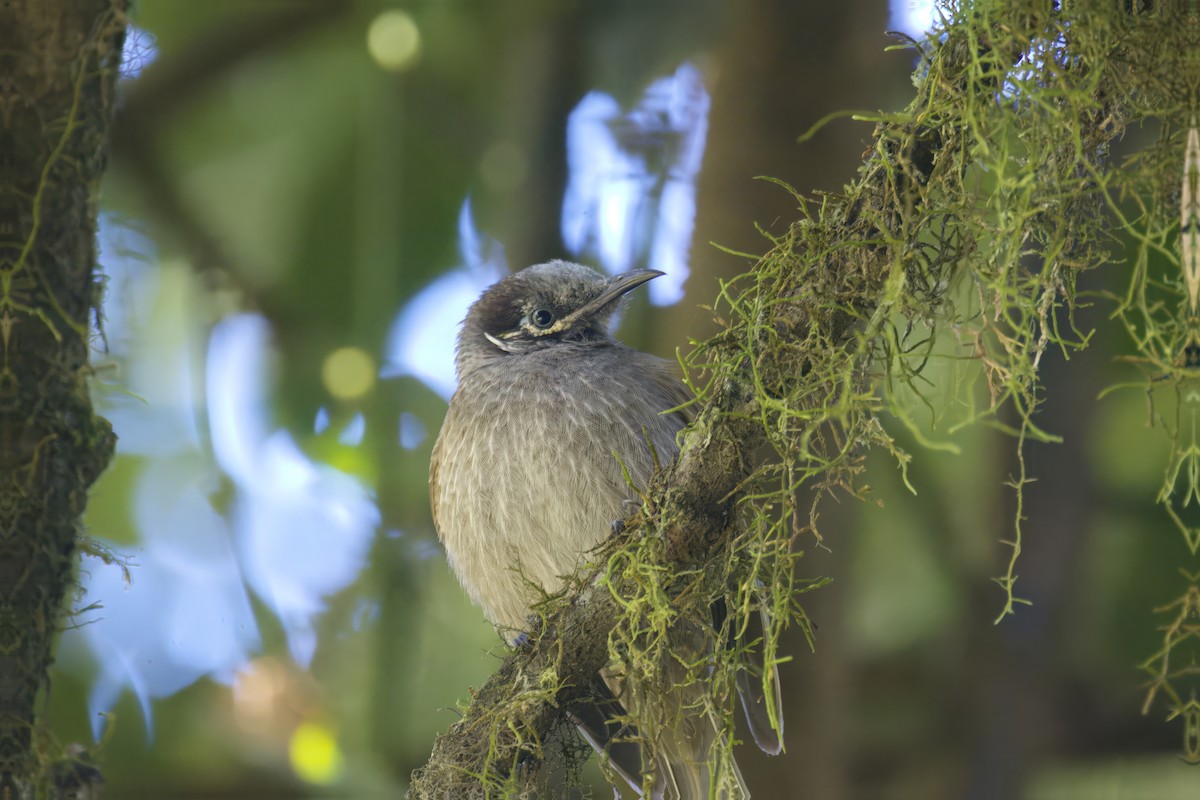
[(618, 285)]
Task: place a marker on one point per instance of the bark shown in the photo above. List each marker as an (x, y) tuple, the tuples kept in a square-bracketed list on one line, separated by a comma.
[(59, 61)]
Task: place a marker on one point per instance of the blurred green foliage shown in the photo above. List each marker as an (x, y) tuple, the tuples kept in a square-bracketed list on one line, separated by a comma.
[(266, 152)]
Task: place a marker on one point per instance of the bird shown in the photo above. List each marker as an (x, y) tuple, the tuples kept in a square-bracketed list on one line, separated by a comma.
[(551, 422)]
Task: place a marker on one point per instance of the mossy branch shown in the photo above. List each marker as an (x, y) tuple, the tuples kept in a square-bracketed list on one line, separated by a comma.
[(60, 60), (960, 185)]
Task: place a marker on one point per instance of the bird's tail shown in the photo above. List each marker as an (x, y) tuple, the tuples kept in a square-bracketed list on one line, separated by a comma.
[(679, 725), (679, 730), (664, 742)]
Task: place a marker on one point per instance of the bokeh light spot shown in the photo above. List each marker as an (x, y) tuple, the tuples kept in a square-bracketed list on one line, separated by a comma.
[(315, 754), (393, 40), (914, 17), (348, 372)]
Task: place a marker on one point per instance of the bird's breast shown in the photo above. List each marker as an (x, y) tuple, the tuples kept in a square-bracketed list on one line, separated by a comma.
[(529, 472)]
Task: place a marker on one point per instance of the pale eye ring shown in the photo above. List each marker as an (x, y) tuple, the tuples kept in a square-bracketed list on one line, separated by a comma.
[(542, 318)]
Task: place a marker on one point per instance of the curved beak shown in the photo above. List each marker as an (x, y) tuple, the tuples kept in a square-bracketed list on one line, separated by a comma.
[(618, 286)]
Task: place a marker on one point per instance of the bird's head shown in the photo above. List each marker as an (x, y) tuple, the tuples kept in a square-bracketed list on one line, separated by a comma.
[(541, 306)]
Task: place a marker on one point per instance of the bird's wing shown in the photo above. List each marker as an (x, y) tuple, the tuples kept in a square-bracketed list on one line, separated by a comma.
[(615, 742), (749, 680), (434, 494), (667, 379), (751, 689), (436, 489), (679, 727)]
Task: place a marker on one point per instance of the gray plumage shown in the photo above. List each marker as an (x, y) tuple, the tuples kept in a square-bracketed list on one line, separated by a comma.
[(525, 478)]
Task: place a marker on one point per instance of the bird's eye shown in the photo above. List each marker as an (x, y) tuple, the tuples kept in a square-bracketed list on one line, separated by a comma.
[(542, 318)]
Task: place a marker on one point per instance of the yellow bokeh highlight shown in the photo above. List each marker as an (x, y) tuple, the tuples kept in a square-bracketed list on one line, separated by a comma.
[(314, 753), (393, 40), (348, 372)]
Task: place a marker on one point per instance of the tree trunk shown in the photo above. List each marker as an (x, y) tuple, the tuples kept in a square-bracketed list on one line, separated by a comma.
[(58, 69)]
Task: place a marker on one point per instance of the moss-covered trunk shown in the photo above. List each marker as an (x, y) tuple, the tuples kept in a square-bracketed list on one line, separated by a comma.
[(58, 68)]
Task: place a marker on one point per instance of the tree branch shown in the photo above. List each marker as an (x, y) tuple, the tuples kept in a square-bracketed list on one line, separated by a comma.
[(792, 367), (691, 500)]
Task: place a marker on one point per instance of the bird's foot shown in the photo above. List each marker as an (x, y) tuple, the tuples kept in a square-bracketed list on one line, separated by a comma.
[(631, 505)]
